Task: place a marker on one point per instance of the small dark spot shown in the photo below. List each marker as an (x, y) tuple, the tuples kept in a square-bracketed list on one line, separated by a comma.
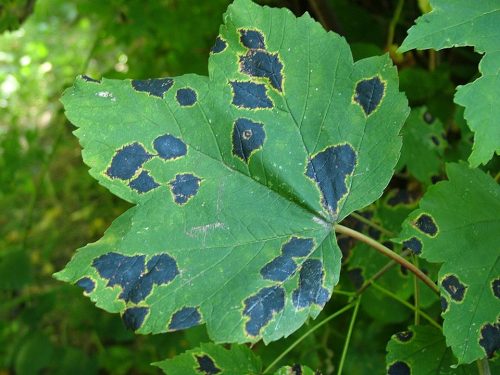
[(490, 338), (250, 95), (404, 270), (330, 169), (186, 317), (436, 179), (428, 118), (184, 187), (495, 286), (133, 317), (252, 39), (399, 368), (169, 147), (454, 287), (369, 93), (90, 79), (248, 137), (425, 223), (127, 161), (435, 140), (310, 288), (399, 196), (156, 87), (296, 369), (206, 365), (263, 64), (404, 336), (186, 97), (143, 183), (261, 307), (219, 45), (444, 304), (414, 244), (356, 277), (87, 284)]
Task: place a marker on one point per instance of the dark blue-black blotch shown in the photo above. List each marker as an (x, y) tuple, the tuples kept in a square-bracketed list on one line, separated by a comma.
[(414, 244), (252, 39), (219, 45), (169, 147), (490, 338), (310, 288), (329, 169), (248, 137), (257, 63), (184, 187), (399, 368), (261, 307), (143, 183), (87, 284), (184, 318), (186, 97), (369, 93), (127, 161), (425, 223), (250, 95), (454, 287), (156, 87), (206, 365), (133, 317)]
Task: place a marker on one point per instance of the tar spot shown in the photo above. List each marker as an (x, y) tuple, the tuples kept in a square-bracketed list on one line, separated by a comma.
[(252, 39), (329, 169), (250, 95), (454, 287), (435, 140), (283, 267), (127, 161), (143, 183), (186, 97), (495, 286), (261, 307), (248, 137), (87, 284), (310, 288), (444, 304), (400, 196), (90, 79), (206, 365), (426, 224), (134, 277), (219, 45), (155, 87), (414, 244), (186, 317), (428, 118), (133, 317), (490, 338), (356, 277), (369, 93), (184, 187), (258, 63), (169, 147), (399, 368), (296, 369), (404, 336)]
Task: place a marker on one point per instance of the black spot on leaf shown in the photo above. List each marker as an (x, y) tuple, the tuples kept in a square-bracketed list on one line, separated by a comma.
[(399, 368), (428, 118), (404, 270), (156, 87), (425, 223), (330, 169), (490, 338), (495, 286), (369, 93), (444, 304), (296, 369), (186, 97), (404, 336), (133, 317), (399, 196), (169, 147), (250, 95), (248, 137), (87, 284), (90, 79), (298, 247), (186, 317), (454, 287), (258, 63), (310, 288), (414, 244), (143, 183), (435, 140), (127, 161), (252, 39), (219, 45), (206, 365), (261, 307), (184, 187)]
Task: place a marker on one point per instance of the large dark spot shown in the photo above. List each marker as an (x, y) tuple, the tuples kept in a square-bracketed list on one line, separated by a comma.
[(444, 304), (155, 87), (490, 338), (495, 286), (414, 244), (329, 169), (184, 187), (219, 45), (169, 147), (186, 317), (369, 93), (127, 161), (250, 95), (257, 63), (399, 368), (425, 223), (261, 307), (206, 365), (454, 287), (248, 137), (186, 97), (404, 336), (130, 273), (310, 288), (143, 183), (87, 284), (252, 39), (133, 317)]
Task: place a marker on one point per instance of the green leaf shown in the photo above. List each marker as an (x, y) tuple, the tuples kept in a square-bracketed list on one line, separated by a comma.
[(465, 23), (421, 350), (14, 12), (230, 225), (457, 224)]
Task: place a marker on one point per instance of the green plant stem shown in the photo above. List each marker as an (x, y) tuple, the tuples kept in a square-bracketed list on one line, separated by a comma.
[(483, 366), (344, 293), (372, 224), (299, 340), (349, 334), (416, 294), (388, 253), (393, 23), (409, 305)]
